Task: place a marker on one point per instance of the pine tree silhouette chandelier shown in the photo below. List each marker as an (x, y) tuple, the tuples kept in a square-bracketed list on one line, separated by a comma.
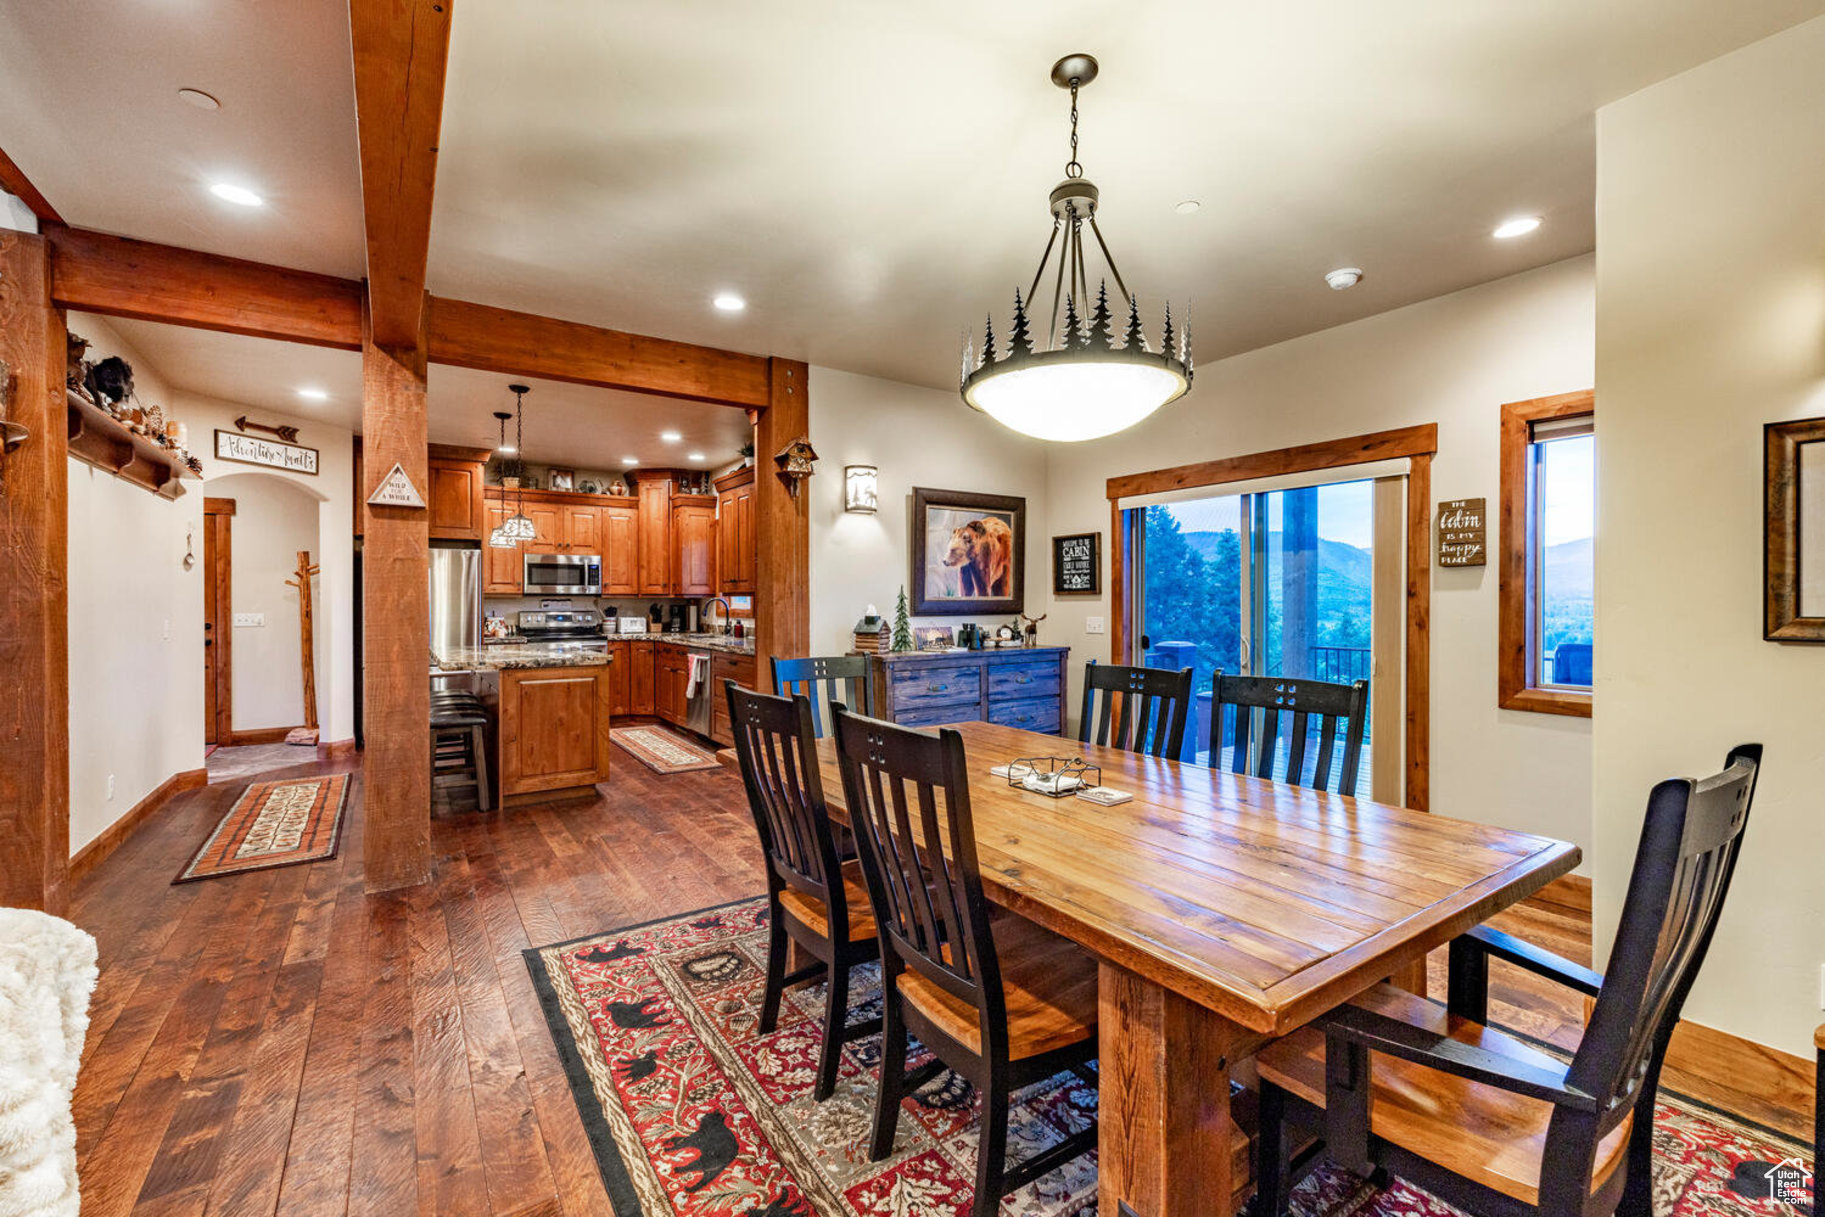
[(1079, 383)]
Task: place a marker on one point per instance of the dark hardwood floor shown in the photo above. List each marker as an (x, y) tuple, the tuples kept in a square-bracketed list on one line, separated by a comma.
[(281, 1042)]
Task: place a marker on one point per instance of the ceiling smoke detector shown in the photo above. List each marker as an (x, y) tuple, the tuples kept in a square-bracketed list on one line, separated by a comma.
[(1344, 278)]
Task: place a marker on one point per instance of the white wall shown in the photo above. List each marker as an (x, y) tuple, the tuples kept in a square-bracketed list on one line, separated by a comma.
[(136, 626), (332, 490), (916, 437), (274, 519), (1711, 322), (1453, 360)]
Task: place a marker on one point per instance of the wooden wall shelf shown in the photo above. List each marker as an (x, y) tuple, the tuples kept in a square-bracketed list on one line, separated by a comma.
[(98, 438)]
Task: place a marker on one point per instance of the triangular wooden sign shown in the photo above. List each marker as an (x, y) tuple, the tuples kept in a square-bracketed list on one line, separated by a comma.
[(396, 490)]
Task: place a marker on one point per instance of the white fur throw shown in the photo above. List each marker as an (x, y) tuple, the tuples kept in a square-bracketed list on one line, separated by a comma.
[(47, 972)]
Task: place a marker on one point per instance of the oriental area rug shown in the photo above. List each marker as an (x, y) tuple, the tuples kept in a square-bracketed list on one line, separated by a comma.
[(663, 750), (278, 823), (692, 1111)]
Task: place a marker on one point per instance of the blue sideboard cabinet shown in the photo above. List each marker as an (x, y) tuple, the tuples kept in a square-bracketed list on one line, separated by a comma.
[(1015, 687)]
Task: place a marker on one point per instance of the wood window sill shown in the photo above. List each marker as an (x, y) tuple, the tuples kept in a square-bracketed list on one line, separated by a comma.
[(1548, 701)]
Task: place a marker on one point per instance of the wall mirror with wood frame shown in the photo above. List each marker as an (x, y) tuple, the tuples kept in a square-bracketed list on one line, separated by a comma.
[(1794, 531)]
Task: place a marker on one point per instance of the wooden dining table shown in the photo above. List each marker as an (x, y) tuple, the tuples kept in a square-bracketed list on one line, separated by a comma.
[(1224, 911)]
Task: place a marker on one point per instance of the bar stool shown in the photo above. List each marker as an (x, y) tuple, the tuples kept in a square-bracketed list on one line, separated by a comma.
[(459, 744)]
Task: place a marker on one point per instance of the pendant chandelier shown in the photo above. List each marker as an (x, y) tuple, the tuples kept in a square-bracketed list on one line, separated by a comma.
[(1078, 382), (517, 527)]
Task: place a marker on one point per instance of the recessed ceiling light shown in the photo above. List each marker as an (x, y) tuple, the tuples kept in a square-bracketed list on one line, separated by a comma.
[(239, 195), (1519, 226), (729, 302), (1343, 278), (199, 99), (630, 460), (314, 394), (1187, 207), (698, 456), (670, 437)]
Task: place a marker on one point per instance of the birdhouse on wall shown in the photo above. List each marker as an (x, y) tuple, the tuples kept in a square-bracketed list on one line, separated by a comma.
[(795, 463)]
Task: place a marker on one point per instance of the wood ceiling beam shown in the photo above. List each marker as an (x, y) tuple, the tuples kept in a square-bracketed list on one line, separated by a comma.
[(500, 340), (401, 48), (14, 182), (121, 277)]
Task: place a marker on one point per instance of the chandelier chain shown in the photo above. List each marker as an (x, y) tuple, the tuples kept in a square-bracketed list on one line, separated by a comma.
[(1072, 168)]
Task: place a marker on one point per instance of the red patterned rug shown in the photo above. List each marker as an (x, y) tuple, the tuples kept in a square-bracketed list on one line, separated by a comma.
[(274, 824), (691, 1111)]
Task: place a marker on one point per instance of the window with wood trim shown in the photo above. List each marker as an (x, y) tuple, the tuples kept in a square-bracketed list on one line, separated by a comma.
[(1547, 555)]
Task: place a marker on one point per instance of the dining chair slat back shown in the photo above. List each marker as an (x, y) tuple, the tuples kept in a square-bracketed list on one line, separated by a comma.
[(1141, 709), (824, 679), (1290, 704), (776, 752)]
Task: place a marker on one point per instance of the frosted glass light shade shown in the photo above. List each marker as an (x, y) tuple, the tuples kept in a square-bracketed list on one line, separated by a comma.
[(512, 531), (1076, 399)]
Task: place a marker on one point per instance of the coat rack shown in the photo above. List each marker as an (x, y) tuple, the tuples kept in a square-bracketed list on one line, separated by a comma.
[(307, 734)]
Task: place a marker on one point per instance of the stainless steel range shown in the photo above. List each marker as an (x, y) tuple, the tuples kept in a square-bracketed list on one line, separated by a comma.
[(563, 630)]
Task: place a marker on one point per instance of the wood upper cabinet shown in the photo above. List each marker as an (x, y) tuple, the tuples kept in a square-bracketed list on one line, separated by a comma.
[(640, 676), (693, 548), (453, 498), (582, 528), (655, 537), (735, 536), (620, 549), (503, 574), (548, 529)]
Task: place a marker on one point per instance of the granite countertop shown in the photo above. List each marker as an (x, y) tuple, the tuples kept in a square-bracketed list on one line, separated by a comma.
[(502, 656), (702, 642)]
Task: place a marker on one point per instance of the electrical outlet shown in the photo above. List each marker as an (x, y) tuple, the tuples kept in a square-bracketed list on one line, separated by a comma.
[(1093, 625), (167, 630), (249, 621), (110, 787)]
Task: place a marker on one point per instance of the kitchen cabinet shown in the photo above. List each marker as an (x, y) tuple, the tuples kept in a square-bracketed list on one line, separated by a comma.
[(553, 730), (620, 676), (581, 528), (453, 492), (725, 665), (735, 537), (655, 536), (547, 527), (693, 546), (671, 673), (503, 573), (620, 549), (640, 676)]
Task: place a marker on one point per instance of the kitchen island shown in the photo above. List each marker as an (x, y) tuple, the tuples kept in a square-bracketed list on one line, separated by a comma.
[(551, 717)]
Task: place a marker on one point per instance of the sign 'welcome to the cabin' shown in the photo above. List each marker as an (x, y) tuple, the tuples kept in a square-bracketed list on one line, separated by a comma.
[(1077, 566), (250, 450)]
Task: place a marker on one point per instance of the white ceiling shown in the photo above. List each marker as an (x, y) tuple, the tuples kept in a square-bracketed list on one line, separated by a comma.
[(566, 424), (872, 177)]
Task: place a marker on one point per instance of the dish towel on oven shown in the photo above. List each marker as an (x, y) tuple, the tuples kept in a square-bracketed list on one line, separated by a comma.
[(700, 673), (47, 973)]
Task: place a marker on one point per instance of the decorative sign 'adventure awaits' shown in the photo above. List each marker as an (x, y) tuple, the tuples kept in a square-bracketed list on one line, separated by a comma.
[(250, 450), (1077, 564), (396, 490), (1463, 531)]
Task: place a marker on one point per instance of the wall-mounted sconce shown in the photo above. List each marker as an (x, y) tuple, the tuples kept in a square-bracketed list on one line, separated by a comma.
[(861, 488), (795, 462)]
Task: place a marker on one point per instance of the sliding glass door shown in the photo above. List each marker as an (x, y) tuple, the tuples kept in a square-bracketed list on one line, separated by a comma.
[(1277, 582)]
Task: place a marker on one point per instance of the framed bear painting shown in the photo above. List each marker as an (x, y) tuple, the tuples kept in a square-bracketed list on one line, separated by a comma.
[(969, 553)]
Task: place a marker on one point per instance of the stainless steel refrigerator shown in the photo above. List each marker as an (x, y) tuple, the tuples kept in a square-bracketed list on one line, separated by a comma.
[(456, 597)]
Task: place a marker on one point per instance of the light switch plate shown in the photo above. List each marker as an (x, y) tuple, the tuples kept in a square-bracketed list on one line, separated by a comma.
[(253, 621), (1093, 625)]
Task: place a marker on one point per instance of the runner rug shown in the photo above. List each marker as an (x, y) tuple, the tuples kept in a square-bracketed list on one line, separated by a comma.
[(274, 824), (662, 750), (691, 1111)]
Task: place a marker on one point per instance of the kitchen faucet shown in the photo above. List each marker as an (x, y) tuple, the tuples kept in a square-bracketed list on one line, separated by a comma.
[(726, 612)]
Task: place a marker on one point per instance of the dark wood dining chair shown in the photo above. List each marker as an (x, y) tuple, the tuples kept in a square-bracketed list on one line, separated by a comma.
[(847, 679), (1003, 1003), (1290, 703), (812, 898), (1483, 1121), (1154, 705)]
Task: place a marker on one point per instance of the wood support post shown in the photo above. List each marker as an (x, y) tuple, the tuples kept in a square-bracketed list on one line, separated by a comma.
[(396, 623), (782, 596), (34, 599)]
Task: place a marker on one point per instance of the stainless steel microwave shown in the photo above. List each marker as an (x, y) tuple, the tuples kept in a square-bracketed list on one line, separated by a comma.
[(563, 575)]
